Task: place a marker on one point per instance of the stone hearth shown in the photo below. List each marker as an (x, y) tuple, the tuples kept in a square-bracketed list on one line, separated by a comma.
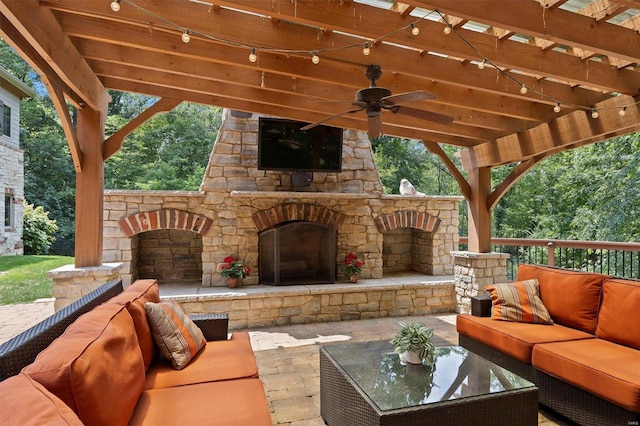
[(237, 202)]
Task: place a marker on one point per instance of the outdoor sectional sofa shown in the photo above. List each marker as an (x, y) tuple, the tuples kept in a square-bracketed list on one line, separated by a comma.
[(587, 363), (105, 369)]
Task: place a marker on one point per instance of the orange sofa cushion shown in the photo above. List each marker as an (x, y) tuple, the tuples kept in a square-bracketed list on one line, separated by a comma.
[(235, 402), (23, 401), (219, 360), (571, 297), (606, 369), (136, 295), (95, 367), (515, 339), (618, 320)]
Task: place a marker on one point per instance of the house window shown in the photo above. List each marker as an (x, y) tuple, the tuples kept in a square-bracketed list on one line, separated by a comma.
[(8, 210), (6, 120)]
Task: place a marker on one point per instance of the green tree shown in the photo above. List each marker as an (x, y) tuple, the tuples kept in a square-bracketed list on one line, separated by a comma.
[(39, 230)]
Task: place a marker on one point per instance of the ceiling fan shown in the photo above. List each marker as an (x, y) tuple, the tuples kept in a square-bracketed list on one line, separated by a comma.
[(374, 100)]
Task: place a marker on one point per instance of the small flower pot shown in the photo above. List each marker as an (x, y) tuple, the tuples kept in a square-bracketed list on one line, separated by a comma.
[(353, 278), (233, 282), (413, 357)]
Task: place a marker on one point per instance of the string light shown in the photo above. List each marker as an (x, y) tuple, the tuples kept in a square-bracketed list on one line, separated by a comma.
[(185, 36), (253, 56), (367, 50), (448, 29)]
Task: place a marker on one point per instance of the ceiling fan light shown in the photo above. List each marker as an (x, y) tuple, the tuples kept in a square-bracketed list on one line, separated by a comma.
[(115, 5)]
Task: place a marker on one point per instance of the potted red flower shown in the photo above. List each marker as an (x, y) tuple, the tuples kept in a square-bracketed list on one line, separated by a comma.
[(353, 266), (233, 270)]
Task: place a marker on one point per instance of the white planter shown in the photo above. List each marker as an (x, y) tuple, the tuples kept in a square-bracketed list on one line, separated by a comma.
[(413, 357)]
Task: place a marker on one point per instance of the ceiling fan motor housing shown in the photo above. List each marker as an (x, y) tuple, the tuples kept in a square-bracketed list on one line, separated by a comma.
[(372, 95)]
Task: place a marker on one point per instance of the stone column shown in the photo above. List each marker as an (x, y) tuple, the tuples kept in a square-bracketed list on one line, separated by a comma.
[(474, 271), (71, 283)]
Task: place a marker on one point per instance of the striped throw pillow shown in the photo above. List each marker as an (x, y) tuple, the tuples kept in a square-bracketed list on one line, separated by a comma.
[(174, 332), (518, 302)]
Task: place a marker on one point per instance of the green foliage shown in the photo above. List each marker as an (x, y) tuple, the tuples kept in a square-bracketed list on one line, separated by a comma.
[(39, 230), (415, 337), (24, 278)]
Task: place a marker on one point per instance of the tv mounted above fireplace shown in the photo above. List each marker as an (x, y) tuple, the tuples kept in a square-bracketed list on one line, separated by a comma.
[(283, 146)]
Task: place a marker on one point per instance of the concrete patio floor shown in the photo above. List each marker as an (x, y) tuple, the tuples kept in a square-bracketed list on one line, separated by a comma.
[(287, 356)]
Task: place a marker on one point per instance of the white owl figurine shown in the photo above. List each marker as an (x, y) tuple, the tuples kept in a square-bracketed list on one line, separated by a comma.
[(406, 188)]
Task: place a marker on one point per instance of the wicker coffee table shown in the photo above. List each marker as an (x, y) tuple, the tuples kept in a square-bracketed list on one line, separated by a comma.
[(365, 383)]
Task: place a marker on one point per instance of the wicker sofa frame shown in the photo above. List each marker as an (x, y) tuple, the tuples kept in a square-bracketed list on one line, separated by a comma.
[(577, 405), (22, 349)]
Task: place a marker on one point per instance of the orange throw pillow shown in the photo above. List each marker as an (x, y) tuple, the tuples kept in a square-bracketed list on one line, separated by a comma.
[(518, 302), (178, 337)]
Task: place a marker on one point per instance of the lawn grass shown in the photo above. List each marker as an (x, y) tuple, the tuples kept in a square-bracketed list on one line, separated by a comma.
[(24, 279)]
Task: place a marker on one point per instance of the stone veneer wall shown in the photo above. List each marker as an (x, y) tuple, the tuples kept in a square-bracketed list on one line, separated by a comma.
[(170, 255), (12, 182), (338, 302), (474, 271), (236, 199)]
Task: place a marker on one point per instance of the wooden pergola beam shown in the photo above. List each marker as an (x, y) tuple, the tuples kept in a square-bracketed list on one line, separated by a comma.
[(566, 131), (114, 142)]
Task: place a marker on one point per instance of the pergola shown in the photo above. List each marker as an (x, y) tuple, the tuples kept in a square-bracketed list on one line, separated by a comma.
[(522, 79)]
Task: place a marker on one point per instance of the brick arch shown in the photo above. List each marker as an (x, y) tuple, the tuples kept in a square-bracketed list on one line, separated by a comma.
[(269, 218), (407, 219), (164, 219)]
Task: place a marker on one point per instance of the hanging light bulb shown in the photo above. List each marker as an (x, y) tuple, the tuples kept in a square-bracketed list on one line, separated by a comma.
[(186, 37), (524, 89), (557, 108), (367, 50), (115, 5), (595, 113), (482, 64), (447, 30), (253, 56), (622, 112), (415, 30), (315, 58)]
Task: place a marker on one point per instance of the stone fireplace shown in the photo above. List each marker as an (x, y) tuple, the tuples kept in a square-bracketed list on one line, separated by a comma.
[(286, 234)]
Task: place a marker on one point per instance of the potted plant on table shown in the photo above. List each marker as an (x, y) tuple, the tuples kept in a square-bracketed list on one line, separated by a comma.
[(234, 271), (414, 341), (353, 266)]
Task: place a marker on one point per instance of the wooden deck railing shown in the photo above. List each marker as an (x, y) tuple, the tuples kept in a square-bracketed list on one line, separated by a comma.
[(611, 258)]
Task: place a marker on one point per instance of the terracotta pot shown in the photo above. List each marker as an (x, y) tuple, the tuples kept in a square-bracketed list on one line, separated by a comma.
[(353, 278), (233, 282)]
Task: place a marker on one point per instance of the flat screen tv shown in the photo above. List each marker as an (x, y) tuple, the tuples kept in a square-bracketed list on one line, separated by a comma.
[(283, 146)]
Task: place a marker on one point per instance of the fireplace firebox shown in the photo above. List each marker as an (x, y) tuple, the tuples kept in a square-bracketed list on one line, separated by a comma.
[(298, 252)]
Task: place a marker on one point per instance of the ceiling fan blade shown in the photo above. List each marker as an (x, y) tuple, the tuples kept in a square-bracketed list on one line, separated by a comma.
[(374, 123), (418, 95), (424, 115), (331, 117)]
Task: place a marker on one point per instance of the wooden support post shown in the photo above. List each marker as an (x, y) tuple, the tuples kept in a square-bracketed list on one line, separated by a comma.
[(479, 213), (90, 188)]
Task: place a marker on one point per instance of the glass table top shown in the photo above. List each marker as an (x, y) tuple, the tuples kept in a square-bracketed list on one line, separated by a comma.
[(391, 384)]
